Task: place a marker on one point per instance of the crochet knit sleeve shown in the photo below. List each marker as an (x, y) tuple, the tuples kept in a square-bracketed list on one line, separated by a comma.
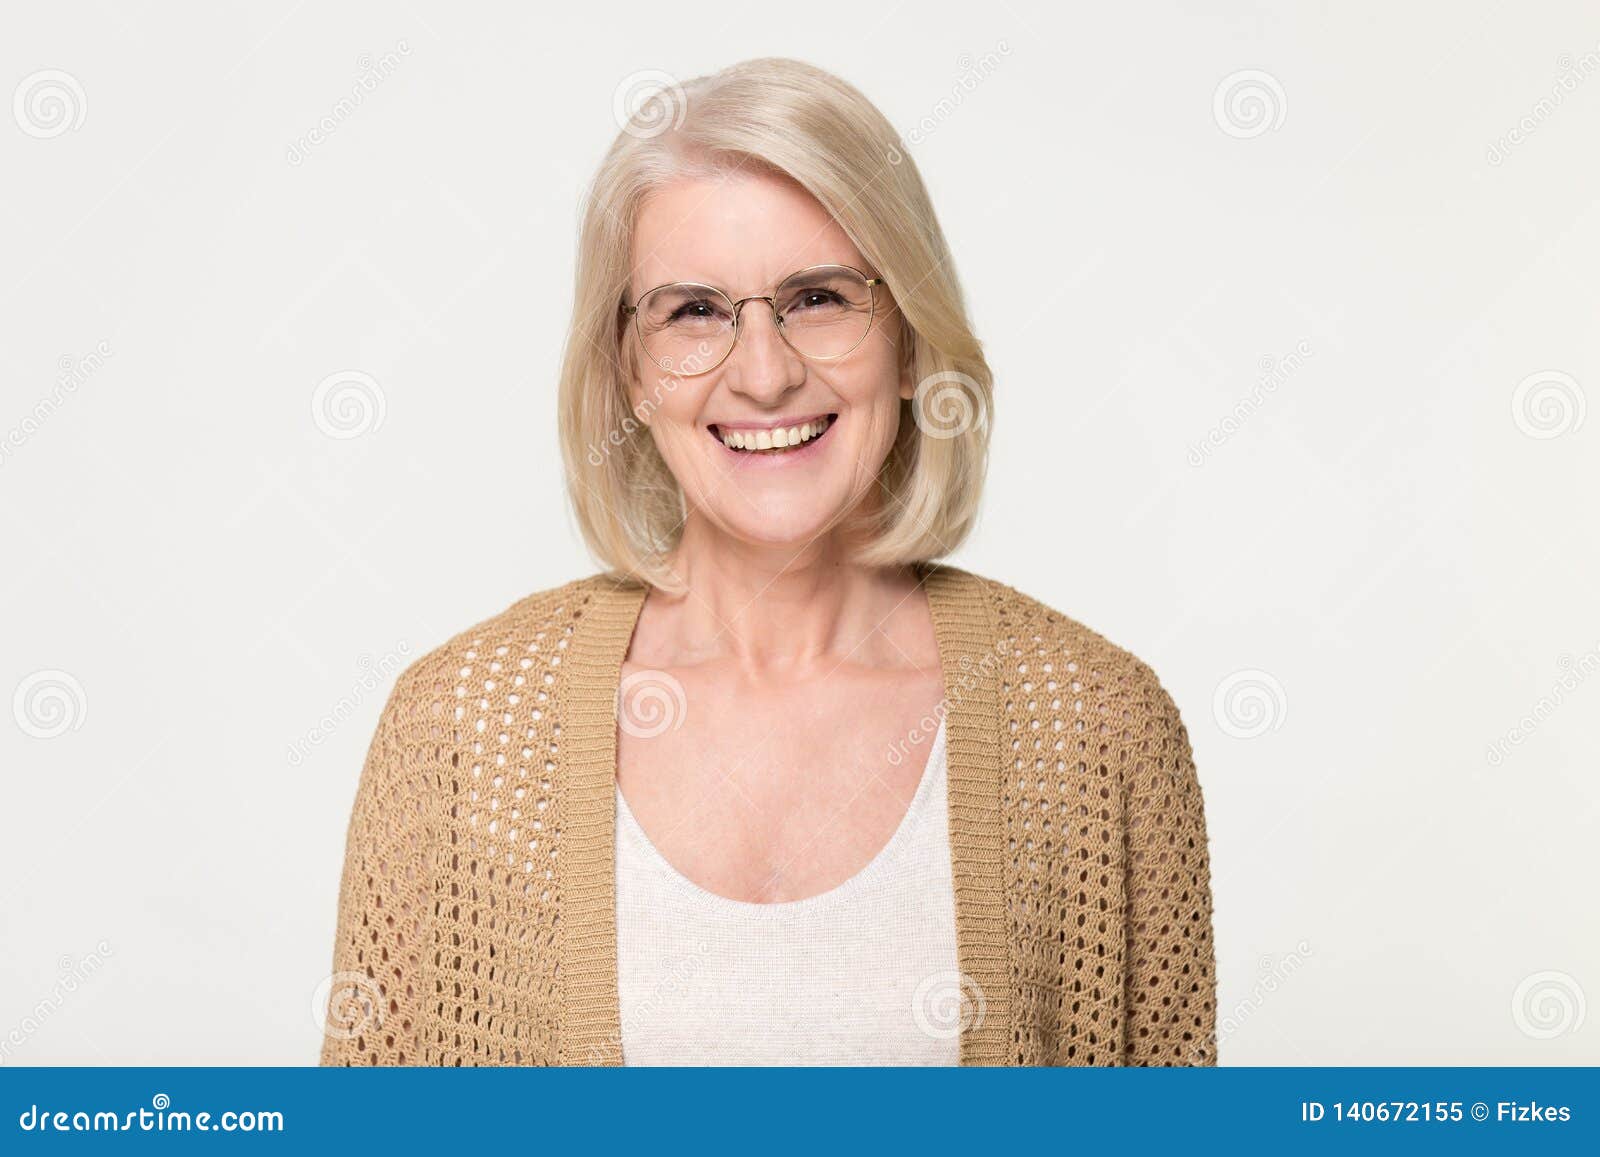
[(1171, 966), (385, 901)]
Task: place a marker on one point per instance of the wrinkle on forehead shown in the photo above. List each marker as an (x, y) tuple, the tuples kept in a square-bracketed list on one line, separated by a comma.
[(741, 232)]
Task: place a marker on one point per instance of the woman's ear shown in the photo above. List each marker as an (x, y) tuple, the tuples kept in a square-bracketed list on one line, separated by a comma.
[(908, 388), (630, 377)]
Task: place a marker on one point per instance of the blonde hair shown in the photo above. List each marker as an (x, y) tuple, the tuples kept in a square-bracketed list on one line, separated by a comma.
[(787, 117)]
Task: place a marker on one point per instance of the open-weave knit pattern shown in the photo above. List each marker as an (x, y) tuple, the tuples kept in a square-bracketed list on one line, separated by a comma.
[(476, 913)]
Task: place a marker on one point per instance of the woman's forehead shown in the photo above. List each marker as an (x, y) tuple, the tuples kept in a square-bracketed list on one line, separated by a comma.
[(734, 232)]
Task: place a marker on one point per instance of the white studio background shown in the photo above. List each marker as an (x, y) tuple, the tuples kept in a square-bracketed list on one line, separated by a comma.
[(1297, 302)]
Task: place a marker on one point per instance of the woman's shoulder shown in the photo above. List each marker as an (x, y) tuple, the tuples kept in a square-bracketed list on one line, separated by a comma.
[(517, 650), (1062, 686), (1042, 647)]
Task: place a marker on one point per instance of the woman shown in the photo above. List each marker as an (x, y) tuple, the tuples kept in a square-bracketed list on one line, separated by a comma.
[(775, 787)]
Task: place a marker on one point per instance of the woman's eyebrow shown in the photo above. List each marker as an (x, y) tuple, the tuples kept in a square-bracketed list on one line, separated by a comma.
[(722, 288)]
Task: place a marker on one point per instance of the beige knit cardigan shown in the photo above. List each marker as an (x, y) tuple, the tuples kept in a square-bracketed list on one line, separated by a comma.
[(476, 912)]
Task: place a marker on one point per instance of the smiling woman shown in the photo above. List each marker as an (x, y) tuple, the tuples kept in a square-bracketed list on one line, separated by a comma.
[(775, 786)]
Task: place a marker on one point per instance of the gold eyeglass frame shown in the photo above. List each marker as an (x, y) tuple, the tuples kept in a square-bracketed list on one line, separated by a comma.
[(632, 312)]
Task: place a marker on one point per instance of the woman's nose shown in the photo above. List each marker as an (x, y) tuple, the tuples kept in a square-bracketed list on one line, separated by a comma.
[(766, 356)]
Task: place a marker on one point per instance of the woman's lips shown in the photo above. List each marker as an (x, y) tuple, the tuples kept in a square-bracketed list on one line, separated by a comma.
[(786, 456), (797, 420)]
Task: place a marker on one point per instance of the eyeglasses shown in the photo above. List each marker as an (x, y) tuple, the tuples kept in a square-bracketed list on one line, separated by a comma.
[(822, 311)]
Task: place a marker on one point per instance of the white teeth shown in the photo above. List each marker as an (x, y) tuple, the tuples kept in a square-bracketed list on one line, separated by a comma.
[(772, 439)]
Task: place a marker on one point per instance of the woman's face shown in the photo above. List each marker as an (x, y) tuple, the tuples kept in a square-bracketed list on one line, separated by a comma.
[(743, 234)]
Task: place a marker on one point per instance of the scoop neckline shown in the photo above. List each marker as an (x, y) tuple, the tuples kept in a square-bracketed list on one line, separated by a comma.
[(932, 771)]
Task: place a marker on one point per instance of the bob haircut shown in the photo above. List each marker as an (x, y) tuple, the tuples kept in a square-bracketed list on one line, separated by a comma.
[(785, 117)]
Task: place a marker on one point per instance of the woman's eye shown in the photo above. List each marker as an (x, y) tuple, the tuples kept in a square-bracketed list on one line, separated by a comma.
[(693, 311), (817, 298)]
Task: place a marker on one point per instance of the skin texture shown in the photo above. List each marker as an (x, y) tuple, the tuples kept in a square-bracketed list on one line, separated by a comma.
[(806, 681)]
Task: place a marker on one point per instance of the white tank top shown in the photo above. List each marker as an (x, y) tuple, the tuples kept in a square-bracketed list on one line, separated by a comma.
[(863, 974)]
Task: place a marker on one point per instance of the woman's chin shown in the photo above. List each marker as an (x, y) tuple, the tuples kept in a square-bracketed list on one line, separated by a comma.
[(792, 530)]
